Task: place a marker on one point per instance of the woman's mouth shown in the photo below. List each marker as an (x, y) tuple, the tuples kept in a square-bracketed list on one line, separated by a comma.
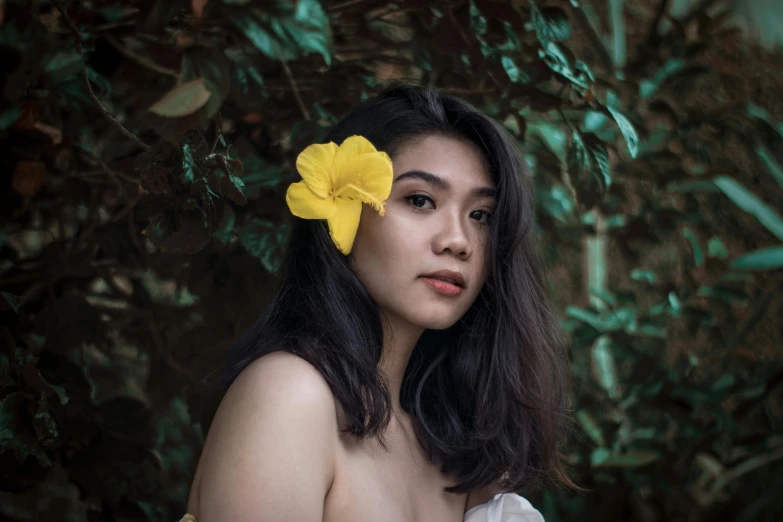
[(444, 287)]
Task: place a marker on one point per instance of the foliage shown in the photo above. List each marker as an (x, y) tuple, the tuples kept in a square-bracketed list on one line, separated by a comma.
[(145, 164)]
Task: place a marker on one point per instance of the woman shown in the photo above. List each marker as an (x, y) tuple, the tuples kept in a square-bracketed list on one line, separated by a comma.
[(372, 389)]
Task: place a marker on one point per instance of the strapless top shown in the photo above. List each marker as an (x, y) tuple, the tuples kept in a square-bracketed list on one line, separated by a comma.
[(503, 507)]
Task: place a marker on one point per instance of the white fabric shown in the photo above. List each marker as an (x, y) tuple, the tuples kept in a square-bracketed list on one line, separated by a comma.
[(504, 507)]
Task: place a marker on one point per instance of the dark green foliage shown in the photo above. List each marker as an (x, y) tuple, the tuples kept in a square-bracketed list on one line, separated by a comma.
[(127, 267)]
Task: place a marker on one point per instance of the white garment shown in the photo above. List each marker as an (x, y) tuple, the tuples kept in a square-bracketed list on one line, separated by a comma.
[(504, 507)]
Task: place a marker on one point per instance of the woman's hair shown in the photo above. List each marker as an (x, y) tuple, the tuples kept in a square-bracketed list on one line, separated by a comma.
[(488, 395)]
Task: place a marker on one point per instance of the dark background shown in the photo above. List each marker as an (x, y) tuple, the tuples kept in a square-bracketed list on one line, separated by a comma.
[(142, 218)]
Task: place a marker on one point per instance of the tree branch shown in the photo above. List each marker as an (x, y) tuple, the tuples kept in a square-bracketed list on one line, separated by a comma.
[(299, 101), (704, 5), (83, 73), (652, 36), (141, 60), (760, 307), (595, 37)]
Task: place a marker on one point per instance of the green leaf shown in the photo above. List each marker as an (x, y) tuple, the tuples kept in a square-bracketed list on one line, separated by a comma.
[(553, 136), (716, 248), (9, 116), (648, 87), (604, 367), (551, 23), (12, 300), (724, 382), (214, 67), (512, 42), (478, 23), (512, 123), (585, 316), (260, 238), (599, 455), (594, 120), (642, 275), (16, 431), (102, 85), (748, 202), (223, 181), (59, 390), (250, 78), (604, 295), (555, 201), (62, 66), (561, 61), (588, 169), (578, 158), (627, 130), (697, 397), (190, 169), (513, 72), (769, 258), (183, 100), (709, 464), (652, 330), (698, 253), (591, 427), (674, 302), (263, 39), (305, 31), (692, 186), (601, 156), (223, 232), (310, 28), (725, 294), (772, 164), (604, 458), (764, 115)]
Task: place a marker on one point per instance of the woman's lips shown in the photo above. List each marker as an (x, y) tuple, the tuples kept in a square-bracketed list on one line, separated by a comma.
[(442, 286)]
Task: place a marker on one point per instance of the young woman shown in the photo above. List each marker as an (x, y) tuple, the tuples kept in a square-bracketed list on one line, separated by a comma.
[(410, 367)]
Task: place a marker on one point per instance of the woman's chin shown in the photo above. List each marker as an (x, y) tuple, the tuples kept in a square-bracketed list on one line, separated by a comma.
[(438, 322)]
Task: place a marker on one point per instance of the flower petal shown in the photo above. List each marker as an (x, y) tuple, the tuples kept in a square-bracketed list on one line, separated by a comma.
[(306, 205), (344, 223), (315, 166), (371, 178), (350, 148), (353, 146), (361, 172)]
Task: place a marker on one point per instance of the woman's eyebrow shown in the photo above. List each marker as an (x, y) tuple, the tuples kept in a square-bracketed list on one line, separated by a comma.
[(438, 182)]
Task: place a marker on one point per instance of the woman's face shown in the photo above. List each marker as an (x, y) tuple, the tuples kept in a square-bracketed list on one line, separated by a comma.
[(428, 226)]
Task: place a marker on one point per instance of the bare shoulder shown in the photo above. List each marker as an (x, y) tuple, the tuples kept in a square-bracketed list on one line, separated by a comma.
[(279, 383), (289, 370), (274, 435)]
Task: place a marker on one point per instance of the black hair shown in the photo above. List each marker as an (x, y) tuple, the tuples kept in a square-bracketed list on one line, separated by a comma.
[(489, 395)]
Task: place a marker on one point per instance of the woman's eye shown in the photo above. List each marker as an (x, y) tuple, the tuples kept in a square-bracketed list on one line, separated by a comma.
[(418, 197), (487, 214)]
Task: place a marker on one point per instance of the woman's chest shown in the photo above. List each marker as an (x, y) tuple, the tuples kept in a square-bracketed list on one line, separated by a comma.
[(371, 485)]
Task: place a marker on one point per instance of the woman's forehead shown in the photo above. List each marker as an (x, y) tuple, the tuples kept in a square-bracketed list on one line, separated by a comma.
[(452, 160)]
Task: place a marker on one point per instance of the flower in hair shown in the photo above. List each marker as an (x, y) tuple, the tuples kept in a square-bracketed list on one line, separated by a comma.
[(336, 180)]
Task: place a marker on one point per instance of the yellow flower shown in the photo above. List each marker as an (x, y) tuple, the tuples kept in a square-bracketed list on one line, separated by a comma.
[(335, 182)]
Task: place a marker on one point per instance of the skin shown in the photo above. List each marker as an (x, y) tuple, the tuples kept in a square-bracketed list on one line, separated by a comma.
[(418, 236), (282, 403)]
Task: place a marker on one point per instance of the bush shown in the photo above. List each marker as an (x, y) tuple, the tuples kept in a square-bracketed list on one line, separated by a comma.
[(147, 147)]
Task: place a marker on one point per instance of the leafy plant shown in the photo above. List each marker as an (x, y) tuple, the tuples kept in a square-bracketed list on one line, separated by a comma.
[(148, 146)]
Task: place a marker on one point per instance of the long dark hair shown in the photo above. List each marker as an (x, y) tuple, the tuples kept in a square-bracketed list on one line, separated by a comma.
[(489, 396)]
